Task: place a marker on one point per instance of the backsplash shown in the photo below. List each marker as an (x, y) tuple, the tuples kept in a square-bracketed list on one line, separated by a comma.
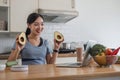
[(98, 20), (6, 44), (66, 30), (7, 41)]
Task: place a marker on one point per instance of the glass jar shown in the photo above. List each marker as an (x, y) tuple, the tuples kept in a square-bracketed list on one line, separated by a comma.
[(79, 51)]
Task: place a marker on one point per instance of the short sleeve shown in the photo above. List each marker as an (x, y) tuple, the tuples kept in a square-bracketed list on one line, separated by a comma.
[(49, 48), (14, 45)]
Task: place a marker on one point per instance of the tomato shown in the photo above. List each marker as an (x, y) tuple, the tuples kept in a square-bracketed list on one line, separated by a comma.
[(108, 51)]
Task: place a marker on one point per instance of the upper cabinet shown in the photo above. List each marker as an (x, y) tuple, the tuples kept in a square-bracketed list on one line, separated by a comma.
[(4, 15), (4, 3), (19, 11), (14, 13), (57, 4), (57, 11)]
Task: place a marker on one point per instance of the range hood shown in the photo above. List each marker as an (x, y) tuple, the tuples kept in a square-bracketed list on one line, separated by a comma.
[(57, 16)]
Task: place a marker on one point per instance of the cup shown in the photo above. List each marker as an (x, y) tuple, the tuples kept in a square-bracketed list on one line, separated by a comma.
[(79, 54)]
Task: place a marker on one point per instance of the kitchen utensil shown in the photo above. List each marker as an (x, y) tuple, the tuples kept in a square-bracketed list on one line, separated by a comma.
[(65, 45), (2, 25)]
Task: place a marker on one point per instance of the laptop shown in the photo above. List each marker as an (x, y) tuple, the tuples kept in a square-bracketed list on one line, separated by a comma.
[(86, 60)]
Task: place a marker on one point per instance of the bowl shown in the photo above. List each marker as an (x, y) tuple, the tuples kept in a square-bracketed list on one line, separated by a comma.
[(2, 67), (118, 61), (105, 60)]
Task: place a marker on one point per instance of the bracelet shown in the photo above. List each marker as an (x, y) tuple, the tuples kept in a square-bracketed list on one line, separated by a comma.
[(54, 50)]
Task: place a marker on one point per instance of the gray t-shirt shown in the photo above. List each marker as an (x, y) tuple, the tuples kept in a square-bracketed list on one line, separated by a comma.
[(31, 54)]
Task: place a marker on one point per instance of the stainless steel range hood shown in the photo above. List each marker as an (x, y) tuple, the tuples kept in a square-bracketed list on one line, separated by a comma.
[(57, 16)]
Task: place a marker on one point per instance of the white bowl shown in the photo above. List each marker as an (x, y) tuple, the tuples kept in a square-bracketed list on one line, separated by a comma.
[(2, 67), (19, 68)]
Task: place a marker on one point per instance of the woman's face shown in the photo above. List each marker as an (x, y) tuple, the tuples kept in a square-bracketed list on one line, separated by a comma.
[(37, 26)]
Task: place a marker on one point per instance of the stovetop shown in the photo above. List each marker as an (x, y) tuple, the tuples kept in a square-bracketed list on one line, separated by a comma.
[(66, 51)]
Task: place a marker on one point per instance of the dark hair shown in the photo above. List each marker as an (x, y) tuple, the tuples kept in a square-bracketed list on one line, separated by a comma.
[(31, 18)]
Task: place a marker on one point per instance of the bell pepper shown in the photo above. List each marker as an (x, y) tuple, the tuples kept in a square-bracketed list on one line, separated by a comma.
[(108, 51), (115, 51)]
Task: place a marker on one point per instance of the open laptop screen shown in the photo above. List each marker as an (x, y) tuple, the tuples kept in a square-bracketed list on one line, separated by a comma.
[(86, 60), (87, 56)]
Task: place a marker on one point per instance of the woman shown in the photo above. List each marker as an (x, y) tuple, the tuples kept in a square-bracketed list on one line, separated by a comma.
[(36, 50)]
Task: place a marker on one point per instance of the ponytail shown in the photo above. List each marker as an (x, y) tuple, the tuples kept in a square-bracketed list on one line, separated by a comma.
[(31, 18), (27, 32)]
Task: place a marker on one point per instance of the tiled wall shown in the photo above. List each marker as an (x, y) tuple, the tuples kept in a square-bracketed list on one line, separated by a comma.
[(68, 31), (7, 41), (71, 33), (97, 20)]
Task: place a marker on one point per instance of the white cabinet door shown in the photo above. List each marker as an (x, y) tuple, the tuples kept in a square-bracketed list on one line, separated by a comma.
[(4, 15), (4, 2), (57, 4), (19, 11)]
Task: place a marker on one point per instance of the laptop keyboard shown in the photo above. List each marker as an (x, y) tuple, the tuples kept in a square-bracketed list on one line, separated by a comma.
[(68, 65)]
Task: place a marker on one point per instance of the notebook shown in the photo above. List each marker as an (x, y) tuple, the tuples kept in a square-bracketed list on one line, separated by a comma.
[(86, 60)]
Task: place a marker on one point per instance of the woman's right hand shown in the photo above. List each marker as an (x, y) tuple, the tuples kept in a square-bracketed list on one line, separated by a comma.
[(19, 47)]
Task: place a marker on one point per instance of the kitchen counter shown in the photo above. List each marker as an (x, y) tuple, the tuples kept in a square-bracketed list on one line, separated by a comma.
[(5, 56), (67, 55), (51, 72)]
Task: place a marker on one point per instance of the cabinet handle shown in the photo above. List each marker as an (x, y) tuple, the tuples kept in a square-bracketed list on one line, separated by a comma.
[(5, 1), (73, 3)]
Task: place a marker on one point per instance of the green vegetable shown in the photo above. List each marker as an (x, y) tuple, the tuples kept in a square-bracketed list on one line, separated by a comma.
[(11, 63), (97, 49)]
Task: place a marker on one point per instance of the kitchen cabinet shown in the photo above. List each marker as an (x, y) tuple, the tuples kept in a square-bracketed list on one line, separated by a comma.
[(4, 15), (19, 11), (4, 3), (14, 13), (68, 5)]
